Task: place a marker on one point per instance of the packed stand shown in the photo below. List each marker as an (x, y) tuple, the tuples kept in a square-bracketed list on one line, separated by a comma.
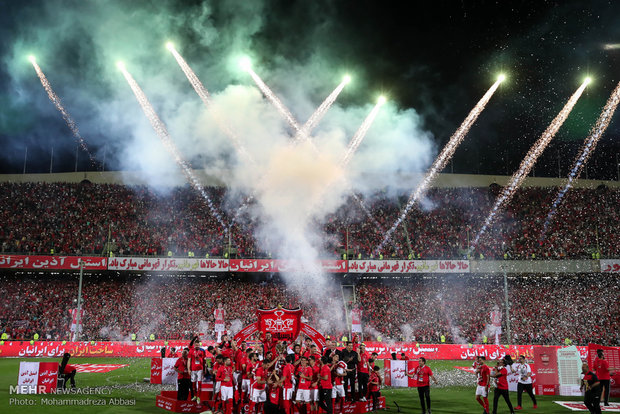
[(543, 309)]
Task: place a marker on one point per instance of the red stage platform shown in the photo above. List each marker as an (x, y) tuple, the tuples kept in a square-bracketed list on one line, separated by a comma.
[(168, 401)]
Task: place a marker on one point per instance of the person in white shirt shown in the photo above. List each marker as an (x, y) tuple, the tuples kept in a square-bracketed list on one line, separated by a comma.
[(524, 371)]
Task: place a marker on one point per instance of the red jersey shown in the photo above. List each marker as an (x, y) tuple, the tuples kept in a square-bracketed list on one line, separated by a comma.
[(287, 374), (502, 382), (274, 394), (224, 376), (315, 377), (326, 371), (483, 375), (249, 370), (421, 375), (601, 367), (240, 360), (196, 358), (304, 383), (269, 346), (262, 375), (374, 377), (69, 369), (340, 369), (362, 366), (181, 365)]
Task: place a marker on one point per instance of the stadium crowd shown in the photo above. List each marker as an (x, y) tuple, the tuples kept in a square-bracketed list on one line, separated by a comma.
[(72, 219), (543, 310)]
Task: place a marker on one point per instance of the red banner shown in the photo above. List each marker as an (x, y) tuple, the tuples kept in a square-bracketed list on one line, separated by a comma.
[(50, 349), (276, 266), (284, 324), (455, 351), (52, 262)]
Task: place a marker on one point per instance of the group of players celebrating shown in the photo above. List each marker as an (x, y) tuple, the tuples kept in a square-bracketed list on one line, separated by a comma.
[(272, 377)]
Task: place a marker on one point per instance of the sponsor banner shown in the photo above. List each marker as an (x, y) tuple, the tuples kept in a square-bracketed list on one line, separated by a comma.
[(52, 262), (409, 266), (610, 266), (612, 356), (37, 377), (276, 266), (579, 406), (155, 264)]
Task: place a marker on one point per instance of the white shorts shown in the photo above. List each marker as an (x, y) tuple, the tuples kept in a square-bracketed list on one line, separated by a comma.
[(237, 378), (259, 396), (338, 391), (482, 391), (245, 385), (314, 395), (303, 395), (196, 375), (226, 393), (218, 385), (287, 394)]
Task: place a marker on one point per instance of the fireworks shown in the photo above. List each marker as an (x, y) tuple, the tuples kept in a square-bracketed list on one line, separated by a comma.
[(530, 159), (164, 136), (359, 135), (588, 147), (316, 117), (443, 158), (247, 66), (57, 103), (206, 99)]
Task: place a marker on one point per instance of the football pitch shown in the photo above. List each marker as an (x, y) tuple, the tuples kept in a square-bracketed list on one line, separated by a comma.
[(124, 391)]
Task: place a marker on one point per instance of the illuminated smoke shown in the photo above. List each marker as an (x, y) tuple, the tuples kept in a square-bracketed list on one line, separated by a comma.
[(316, 117), (529, 161), (442, 160), (206, 99), (359, 135), (302, 132), (164, 136), (588, 147), (65, 115)]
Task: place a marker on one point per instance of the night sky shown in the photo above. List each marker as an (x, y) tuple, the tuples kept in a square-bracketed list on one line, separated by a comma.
[(435, 58)]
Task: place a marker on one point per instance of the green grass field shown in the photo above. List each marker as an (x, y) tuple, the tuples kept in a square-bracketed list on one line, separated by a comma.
[(127, 384)]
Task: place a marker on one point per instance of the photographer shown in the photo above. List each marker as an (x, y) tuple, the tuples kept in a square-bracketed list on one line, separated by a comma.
[(67, 371), (591, 386)]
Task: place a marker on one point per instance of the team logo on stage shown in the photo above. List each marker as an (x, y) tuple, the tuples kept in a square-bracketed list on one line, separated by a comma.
[(284, 324)]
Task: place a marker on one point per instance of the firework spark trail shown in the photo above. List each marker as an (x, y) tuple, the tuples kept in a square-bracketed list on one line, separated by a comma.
[(206, 99), (65, 115), (588, 147), (359, 135), (275, 101), (529, 161), (442, 160), (315, 118), (164, 136)]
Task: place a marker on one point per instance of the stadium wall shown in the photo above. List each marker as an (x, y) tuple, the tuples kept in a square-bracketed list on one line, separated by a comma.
[(208, 179)]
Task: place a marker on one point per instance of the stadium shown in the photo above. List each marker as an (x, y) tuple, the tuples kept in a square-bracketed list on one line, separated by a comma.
[(199, 216)]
